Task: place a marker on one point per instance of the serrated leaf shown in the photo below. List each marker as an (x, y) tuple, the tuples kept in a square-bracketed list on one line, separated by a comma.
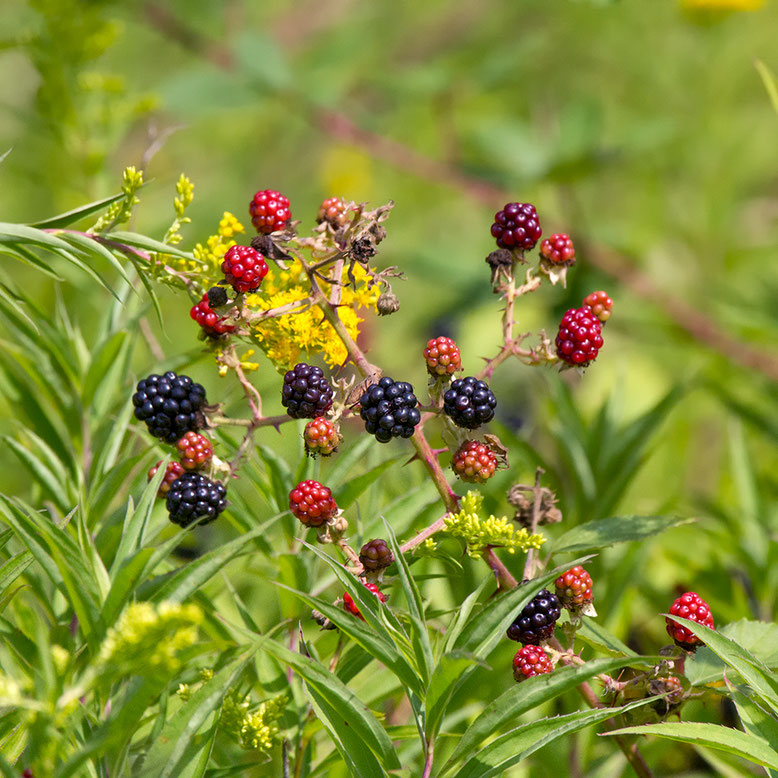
[(603, 533), (754, 718), (721, 738)]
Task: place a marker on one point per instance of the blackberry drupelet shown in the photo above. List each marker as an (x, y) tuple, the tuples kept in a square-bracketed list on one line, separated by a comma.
[(269, 211), (193, 496), (389, 410), (529, 661), (469, 403), (351, 606), (601, 305), (306, 393), (333, 211), (170, 405), (537, 619), (516, 226)]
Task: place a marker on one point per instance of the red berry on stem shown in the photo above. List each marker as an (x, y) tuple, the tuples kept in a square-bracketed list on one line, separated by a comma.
[(195, 451), (312, 503), (601, 305), (213, 324), (173, 471), (244, 268), (474, 462), (517, 226), (574, 588), (529, 661), (579, 339), (376, 555), (333, 211), (321, 436), (350, 605), (689, 606), (558, 249), (442, 356), (269, 211)]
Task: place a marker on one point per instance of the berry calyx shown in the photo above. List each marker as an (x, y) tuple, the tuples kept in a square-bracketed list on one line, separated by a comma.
[(579, 339), (689, 606), (172, 471), (333, 211), (558, 249), (574, 588), (269, 211), (529, 661), (536, 620), (376, 555), (170, 405), (389, 410), (192, 497), (244, 268), (601, 305), (321, 436), (517, 226), (312, 503), (306, 393), (195, 451), (442, 357), (213, 325), (474, 462), (350, 605), (469, 403)]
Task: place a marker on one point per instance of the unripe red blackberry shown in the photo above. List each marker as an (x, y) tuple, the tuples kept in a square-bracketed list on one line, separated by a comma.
[(376, 555), (469, 403), (558, 249), (529, 661), (474, 462), (312, 503), (193, 496), (170, 405), (537, 619), (172, 471), (579, 339), (333, 211), (306, 393), (350, 605), (673, 690), (601, 305), (321, 436), (517, 226), (442, 356), (689, 606), (195, 451), (389, 410), (269, 211), (213, 325), (574, 588), (244, 268)]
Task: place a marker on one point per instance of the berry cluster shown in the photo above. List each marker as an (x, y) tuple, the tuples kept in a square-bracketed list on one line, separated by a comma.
[(558, 249), (531, 660), (306, 393), (170, 405), (474, 462), (213, 325), (376, 555), (321, 437), (333, 211), (388, 409), (269, 211), (173, 471), (192, 497), (469, 403), (601, 305), (312, 503), (537, 619), (244, 268), (689, 606), (195, 451), (517, 226), (574, 588), (350, 605), (442, 357), (579, 339)]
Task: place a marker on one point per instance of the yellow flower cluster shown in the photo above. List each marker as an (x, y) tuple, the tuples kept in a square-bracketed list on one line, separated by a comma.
[(253, 730), (284, 338), (148, 638), (479, 533), (722, 5)]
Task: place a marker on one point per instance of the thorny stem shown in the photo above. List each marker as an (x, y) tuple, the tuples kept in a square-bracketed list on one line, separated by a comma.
[(349, 553), (431, 464)]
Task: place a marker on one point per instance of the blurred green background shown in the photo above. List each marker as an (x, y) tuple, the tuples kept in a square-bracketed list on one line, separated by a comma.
[(642, 129)]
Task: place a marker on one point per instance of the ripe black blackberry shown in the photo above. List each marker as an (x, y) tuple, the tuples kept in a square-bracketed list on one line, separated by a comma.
[(389, 410), (193, 496), (306, 393), (537, 619), (171, 405), (469, 403)]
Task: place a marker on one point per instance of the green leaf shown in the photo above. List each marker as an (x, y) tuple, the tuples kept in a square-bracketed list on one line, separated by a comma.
[(346, 493), (529, 694), (603, 533), (715, 736), (12, 568), (357, 716), (595, 635), (144, 242), (91, 247), (442, 686), (514, 746), (70, 217), (754, 718), (768, 79)]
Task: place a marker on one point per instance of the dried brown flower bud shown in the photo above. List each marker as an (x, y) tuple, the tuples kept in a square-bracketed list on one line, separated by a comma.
[(387, 303)]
